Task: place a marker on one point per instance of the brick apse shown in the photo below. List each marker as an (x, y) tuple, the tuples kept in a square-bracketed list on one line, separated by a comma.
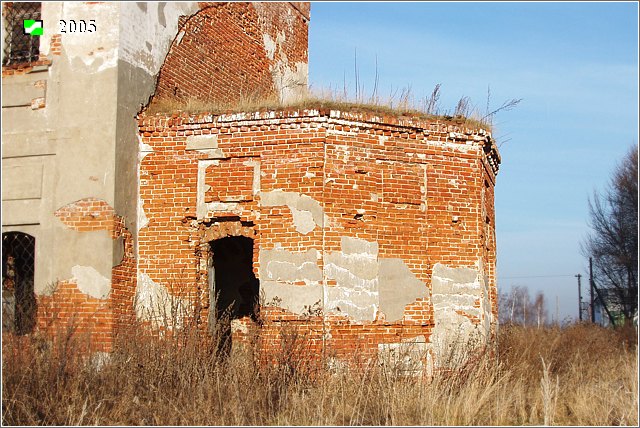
[(364, 232), (371, 236)]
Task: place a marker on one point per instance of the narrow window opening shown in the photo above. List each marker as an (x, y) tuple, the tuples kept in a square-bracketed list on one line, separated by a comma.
[(18, 267)]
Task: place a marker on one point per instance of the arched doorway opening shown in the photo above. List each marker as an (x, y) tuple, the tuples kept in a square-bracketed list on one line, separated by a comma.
[(18, 268), (233, 287)]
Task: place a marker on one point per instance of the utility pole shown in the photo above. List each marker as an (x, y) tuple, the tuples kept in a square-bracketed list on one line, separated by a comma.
[(593, 314), (579, 298)]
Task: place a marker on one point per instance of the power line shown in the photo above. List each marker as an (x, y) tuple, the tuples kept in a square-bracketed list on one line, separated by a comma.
[(533, 276)]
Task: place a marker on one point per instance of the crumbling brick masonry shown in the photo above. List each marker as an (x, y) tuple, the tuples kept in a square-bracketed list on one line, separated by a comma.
[(370, 237), (368, 232)]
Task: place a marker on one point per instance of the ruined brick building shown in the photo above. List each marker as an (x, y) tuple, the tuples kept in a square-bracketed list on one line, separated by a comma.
[(370, 234)]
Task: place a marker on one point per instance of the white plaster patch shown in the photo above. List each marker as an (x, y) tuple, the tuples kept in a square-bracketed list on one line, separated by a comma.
[(156, 25), (143, 221), (290, 81), (296, 201), (285, 266), (299, 299), (269, 46), (201, 207), (89, 281), (355, 270), (96, 51), (456, 290), (100, 359), (154, 303), (357, 303), (143, 148), (179, 37), (237, 326), (302, 220)]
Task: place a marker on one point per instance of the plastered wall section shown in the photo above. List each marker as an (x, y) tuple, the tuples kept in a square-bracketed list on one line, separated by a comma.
[(58, 164), (369, 232)]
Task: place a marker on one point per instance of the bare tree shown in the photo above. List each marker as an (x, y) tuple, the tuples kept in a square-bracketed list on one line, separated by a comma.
[(517, 307), (613, 241)]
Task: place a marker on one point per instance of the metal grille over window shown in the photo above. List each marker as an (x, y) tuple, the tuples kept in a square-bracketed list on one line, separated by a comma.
[(20, 46), (18, 265)]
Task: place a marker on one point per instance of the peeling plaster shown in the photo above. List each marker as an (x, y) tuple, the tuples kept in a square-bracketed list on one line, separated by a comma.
[(289, 79), (154, 303), (201, 206), (296, 201), (355, 270), (302, 220), (90, 282), (410, 356), (456, 295), (207, 144), (291, 82), (366, 284), (143, 150), (143, 221), (157, 26), (269, 46), (92, 52), (398, 287), (282, 265), (295, 298)]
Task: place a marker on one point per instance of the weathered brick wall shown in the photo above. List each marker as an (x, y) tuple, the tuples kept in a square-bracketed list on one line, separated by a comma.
[(95, 311), (373, 221), (249, 51)]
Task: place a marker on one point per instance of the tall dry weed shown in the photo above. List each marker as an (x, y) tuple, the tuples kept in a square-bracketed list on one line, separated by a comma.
[(577, 375)]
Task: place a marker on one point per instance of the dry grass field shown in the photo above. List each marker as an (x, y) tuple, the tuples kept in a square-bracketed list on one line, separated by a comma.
[(575, 375)]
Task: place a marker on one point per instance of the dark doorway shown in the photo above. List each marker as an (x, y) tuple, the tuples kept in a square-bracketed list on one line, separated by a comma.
[(18, 267), (233, 287)]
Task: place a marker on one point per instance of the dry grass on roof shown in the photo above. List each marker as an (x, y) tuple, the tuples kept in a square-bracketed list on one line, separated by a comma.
[(463, 115)]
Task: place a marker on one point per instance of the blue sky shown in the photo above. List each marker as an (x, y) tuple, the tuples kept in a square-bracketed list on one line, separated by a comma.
[(575, 66)]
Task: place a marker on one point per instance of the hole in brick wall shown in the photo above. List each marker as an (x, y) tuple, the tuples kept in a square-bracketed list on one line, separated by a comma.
[(233, 287), (18, 267)]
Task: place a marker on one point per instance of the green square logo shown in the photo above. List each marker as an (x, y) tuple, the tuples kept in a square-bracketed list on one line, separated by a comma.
[(33, 27)]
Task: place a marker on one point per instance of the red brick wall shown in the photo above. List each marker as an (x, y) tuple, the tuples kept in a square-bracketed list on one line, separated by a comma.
[(68, 309), (231, 180), (429, 178), (219, 54)]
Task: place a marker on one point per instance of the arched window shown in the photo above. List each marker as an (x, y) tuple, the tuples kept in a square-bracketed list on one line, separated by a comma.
[(18, 267)]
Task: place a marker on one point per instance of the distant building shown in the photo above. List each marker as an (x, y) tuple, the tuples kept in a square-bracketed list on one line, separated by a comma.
[(606, 297)]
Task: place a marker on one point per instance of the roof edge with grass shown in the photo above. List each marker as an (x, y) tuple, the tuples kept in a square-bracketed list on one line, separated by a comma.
[(197, 112)]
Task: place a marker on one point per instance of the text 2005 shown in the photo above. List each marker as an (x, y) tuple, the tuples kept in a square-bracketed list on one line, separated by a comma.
[(80, 26)]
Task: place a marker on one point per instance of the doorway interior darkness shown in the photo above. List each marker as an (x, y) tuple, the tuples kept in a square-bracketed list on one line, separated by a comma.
[(233, 286)]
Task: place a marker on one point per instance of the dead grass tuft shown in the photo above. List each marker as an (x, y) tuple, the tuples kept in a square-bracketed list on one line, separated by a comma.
[(403, 105)]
